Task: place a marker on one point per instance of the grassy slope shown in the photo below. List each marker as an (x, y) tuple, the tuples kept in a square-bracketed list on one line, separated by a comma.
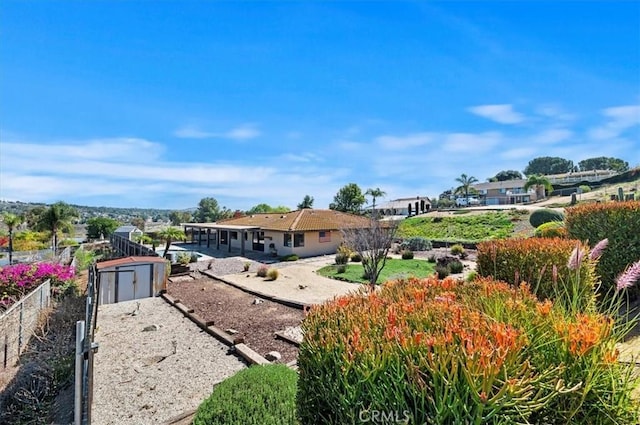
[(462, 228), (394, 269)]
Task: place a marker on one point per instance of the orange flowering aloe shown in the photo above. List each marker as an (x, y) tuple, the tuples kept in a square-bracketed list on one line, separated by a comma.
[(440, 351)]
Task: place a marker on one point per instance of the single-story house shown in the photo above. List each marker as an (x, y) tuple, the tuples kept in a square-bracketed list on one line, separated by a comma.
[(504, 192), (581, 176), (400, 206), (305, 232), (128, 232), (131, 278)]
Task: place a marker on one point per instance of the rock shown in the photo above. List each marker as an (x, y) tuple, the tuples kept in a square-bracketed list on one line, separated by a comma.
[(302, 286), (273, 356), (257, 301), (150, 328), (231, 331)]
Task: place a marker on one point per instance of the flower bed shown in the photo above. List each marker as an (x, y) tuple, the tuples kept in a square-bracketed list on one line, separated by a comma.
[(440, 351), (18, 280)]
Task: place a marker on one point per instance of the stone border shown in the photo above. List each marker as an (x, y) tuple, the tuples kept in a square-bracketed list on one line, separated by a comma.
[(235, 343)]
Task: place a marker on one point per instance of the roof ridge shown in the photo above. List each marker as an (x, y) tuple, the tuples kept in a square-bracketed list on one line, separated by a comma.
[(297, 219)]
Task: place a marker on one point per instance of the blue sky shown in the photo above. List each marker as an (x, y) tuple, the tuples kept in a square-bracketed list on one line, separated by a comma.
[(159, 104)]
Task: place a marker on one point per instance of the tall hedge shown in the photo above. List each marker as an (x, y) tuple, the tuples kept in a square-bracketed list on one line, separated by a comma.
[(617, 221), (532, 260)]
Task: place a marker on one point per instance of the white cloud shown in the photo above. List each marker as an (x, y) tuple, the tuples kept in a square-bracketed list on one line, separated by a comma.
[(551, 136), (471, 143), (302, 157), (621, 118), (404, 142), (501, 113), (240, 133)]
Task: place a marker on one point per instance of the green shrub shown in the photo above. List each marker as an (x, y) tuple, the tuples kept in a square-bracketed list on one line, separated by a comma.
[(456, 267), (448, 352), (544, 215), (407, 254), (341, 268), (442, 271), (473, 275), (260, 395), (534, 260), (457, 249), (184, 258), (552, 229), (290, 257), (356, 258), (193, 258), (262, 271), (416, 243), (272, 274), (342, 258), (584, 188), (432, 258), (619, 222)]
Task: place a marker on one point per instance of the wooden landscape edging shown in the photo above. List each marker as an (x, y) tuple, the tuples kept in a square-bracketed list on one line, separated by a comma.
[(236, 343)]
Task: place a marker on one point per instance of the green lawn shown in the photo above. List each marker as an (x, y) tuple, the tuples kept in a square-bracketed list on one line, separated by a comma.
[(460, 228), (394, 269)]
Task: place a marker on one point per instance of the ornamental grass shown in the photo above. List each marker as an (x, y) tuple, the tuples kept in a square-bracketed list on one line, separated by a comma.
[(434, 351)]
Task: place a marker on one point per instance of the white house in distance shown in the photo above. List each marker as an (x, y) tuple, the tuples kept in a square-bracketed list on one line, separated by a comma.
[(400, 207), (306, 232), (504, 192)]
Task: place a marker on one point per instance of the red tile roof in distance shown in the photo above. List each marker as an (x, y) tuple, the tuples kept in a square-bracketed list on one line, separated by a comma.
[(301, 220)]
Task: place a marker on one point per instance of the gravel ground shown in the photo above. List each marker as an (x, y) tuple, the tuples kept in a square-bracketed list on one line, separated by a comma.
[(146, 377)]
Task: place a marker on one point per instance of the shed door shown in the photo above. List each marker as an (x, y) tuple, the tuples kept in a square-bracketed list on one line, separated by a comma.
[(126, 285)]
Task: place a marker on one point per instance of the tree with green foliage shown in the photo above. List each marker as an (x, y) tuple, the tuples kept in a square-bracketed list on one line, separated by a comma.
[(59, 217), (540, 183), (549, 165), (375, 193), (466, 183), (306, 203), (348, 199), (98, 227), (604, 163), (32, 216), (12, 221), (170, 235), (209, 211), (139, 222), (179, 217), (266, 208), (506, 175)]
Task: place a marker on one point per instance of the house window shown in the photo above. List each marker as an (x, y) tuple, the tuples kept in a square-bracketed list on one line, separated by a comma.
[(325, 237), (287, 239), (234, 235), (298, 239), (503, 190)]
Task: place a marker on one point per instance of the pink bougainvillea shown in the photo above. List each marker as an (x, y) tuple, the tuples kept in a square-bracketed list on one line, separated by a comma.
[(18, 279)]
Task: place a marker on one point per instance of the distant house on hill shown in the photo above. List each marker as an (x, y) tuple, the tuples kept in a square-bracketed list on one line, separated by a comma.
[(581, 176), (127, 232), (306, 232), (504, 192), (400, 206)]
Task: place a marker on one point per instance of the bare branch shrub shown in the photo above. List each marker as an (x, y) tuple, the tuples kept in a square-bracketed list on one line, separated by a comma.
[(372, 244)]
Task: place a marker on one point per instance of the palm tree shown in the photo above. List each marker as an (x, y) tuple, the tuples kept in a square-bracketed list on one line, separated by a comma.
[(11, 221), (169, 235), (540, 183), (465, 185), (57, 218), (375, 193)]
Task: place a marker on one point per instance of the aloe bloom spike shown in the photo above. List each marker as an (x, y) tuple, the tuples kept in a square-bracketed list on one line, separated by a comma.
[(630, 276), (597, 250)]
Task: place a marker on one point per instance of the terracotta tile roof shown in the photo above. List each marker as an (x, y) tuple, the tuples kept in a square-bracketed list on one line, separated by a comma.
[(301, 220), (129, 261)]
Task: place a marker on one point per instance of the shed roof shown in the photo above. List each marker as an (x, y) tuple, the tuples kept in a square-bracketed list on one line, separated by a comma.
[(127, 229), (129, 261)]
